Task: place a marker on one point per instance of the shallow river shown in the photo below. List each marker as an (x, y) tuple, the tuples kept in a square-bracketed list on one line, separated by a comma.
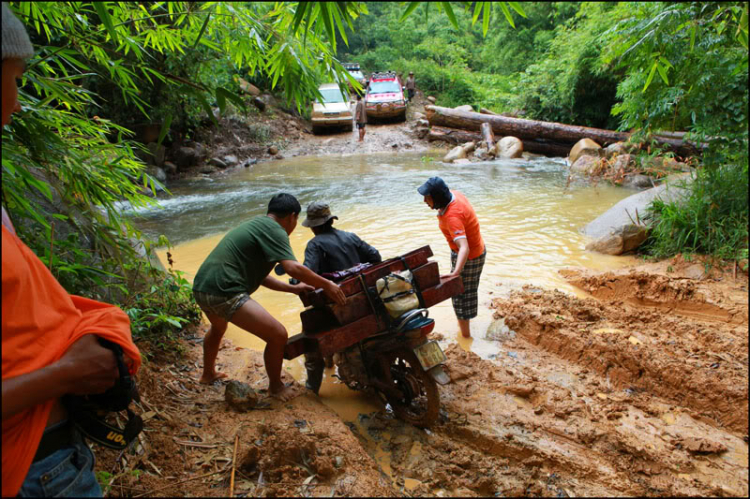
[(529, 221)]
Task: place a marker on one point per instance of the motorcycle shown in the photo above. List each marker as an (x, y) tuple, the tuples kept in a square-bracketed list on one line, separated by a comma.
[(402, 366)]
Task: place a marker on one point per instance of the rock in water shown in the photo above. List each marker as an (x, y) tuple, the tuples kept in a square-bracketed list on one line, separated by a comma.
[(509, 148), (619, 241), (240, 396), (584, 147), (457, 152), (585, 165)]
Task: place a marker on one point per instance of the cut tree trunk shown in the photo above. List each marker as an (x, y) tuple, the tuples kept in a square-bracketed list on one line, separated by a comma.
[(534, 130), (538, 146), (488, 138)]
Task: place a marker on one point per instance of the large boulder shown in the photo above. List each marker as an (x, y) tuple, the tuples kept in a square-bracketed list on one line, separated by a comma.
[(582, 148), (185, 157), (466, 108), (620, 240), (509, 148), (634, 208), (585, 165), (457, 152)]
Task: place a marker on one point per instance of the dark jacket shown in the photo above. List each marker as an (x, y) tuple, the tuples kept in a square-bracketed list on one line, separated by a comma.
[(336, 250)]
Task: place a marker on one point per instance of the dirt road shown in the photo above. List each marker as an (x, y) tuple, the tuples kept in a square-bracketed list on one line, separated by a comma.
[(641, 389)]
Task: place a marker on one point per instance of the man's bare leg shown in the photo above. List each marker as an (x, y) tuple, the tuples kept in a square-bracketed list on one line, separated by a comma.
[(254, 319), (211, 344), (465, 327)]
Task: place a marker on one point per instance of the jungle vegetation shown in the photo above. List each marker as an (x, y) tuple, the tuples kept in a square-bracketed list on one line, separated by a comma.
[(103, 68)]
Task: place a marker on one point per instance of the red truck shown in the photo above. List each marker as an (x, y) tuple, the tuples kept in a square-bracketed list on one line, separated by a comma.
[(385, 96)]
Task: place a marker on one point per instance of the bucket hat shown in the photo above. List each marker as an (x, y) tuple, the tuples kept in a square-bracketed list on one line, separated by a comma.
[(317, 214)]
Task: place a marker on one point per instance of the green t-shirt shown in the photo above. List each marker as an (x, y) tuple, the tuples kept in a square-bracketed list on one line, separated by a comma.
[(243, 258)]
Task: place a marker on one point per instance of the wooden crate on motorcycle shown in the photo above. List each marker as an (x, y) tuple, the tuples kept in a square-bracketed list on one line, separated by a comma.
[(333, 340), (352, 285), (357, 305)]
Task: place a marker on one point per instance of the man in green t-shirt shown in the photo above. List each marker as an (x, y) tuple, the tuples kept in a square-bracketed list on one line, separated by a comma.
[(238, 266)]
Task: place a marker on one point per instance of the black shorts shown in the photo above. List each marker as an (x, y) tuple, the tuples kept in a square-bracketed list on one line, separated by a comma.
[(361, 125)]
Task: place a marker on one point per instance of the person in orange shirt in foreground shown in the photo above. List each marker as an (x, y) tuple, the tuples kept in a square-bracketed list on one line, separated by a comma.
[(49, 346), (458, 222)]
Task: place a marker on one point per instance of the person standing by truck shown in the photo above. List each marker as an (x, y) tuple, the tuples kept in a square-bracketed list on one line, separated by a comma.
[(411, 86), (458, 222), (360, 117)]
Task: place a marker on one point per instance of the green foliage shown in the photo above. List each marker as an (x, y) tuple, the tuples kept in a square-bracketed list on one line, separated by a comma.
[(100, 67), (702, 68), (571, 84), (713, 220)]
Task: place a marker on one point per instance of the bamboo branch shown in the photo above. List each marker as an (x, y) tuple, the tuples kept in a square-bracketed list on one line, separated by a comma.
[(234, 464)]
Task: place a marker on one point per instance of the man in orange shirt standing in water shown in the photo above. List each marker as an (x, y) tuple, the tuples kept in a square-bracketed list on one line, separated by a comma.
[(458, 222)]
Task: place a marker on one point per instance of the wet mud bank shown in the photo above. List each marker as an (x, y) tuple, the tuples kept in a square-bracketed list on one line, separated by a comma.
[(638, 388)]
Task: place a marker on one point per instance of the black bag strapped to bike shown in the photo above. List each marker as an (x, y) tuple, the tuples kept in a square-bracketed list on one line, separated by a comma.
[(88, 412)]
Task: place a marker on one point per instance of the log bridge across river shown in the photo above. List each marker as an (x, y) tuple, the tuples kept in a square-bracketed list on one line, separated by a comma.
[(329, 328)]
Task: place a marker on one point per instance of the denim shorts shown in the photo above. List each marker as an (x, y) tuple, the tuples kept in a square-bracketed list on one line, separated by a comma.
[(223, 306), (67, 472)]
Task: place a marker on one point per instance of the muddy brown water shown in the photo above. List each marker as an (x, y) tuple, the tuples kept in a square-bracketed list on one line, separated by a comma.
[(529, 220)]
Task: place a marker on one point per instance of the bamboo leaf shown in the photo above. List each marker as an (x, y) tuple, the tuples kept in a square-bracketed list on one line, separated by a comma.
[(486, 17), (663, 73), (412, 6), (650, 76), (164, 129), (101, 10), (203, 29), (508, 16), (450, 14), (517, 7)]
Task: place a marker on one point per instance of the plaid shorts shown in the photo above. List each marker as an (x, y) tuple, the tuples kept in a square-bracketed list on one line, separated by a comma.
[(465, 304), (223, 306)]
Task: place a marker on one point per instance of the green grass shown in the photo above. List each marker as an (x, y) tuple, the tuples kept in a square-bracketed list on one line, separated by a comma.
[(712, 221)]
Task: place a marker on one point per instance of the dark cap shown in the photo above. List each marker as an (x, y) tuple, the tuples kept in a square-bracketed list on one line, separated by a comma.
[(317, 214), (433, 185)]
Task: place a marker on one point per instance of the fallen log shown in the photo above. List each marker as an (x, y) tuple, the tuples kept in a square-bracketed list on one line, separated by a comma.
[(536, 146), (484, 110), (532, 129), (488, 138)]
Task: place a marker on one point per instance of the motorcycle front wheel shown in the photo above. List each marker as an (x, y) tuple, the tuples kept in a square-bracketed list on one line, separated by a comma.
[(418, 401)]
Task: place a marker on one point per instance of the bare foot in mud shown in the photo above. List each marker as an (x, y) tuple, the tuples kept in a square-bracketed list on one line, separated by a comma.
[(286, 392), (208, 379)]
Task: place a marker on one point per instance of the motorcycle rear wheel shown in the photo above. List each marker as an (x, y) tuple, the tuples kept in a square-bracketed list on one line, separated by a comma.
[(419, 402)]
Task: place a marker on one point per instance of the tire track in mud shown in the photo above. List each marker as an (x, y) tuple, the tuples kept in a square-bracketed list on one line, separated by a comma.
[(599, 398)]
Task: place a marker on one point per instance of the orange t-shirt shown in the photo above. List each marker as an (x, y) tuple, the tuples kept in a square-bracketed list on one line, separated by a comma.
[(40, 322), (458, 220)]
